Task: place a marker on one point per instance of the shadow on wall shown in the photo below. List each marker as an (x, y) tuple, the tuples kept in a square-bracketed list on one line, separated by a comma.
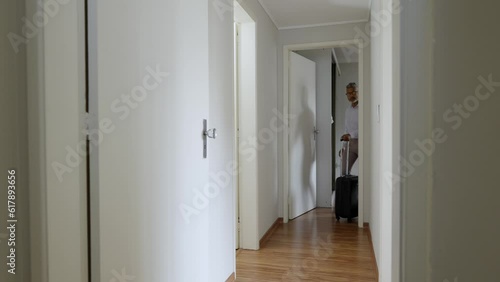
[(305, 141)]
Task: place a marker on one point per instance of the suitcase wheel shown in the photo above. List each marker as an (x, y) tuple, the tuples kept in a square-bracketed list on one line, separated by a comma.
[(349, 220), (338, 218)]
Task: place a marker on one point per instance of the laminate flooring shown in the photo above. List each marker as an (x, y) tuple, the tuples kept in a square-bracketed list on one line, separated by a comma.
[(312, 247)]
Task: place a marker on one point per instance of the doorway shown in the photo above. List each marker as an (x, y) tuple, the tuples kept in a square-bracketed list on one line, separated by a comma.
[(286, 107), (346, 72)]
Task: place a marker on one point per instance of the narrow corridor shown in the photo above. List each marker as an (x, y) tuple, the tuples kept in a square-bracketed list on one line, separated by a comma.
[(313, 247)]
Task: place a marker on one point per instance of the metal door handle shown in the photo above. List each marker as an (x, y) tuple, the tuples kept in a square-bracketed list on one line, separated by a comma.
[(207, 133), (211, 133)]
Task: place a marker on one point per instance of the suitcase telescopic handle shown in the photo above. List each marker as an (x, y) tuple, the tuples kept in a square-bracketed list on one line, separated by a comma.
[(347, 158)]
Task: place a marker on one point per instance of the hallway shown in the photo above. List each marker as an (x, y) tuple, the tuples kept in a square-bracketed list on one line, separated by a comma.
[(313, 247)]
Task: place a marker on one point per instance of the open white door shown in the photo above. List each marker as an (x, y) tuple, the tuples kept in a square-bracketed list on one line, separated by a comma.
[(302, 139), (156, 214)]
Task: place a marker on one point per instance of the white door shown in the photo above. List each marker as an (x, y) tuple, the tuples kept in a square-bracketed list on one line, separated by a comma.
[(302, 139), (152, 208), (221, 211)]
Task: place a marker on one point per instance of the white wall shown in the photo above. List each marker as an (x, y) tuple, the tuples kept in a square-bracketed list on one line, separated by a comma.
[(323, 60), (14, 141), (416, 123), (349, 74), (462, 206), (385, 217), (267, 85), (326, 34), (465, 185), (37, 145)]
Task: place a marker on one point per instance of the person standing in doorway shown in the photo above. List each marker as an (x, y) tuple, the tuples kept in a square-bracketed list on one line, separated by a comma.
[(351, 129)]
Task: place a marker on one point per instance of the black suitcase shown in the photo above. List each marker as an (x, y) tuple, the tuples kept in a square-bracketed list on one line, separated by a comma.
[(346, 194), (346, 197)]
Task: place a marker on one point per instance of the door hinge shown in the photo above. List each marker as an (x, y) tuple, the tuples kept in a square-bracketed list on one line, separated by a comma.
[(86, 124), (89, 123)]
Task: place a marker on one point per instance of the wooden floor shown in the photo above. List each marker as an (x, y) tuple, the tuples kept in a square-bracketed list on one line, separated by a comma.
[(313, 247)]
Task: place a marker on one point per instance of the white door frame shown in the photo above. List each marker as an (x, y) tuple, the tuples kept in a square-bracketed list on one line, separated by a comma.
[(56, 116), (236, 179), (286, 62)]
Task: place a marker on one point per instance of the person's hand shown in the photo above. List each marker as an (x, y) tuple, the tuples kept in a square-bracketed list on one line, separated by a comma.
[(345, 137)]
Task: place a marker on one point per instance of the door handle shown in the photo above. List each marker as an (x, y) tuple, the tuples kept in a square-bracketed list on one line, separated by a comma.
[(316, 132), (211, 133), (207, 133)]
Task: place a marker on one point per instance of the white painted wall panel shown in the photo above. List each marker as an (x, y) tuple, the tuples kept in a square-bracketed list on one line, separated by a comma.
[(465, 103), (14, 142), (266, 103)]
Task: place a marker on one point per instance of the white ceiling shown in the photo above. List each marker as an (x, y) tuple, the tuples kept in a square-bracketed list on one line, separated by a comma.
[(288, 14), (240, 15)]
